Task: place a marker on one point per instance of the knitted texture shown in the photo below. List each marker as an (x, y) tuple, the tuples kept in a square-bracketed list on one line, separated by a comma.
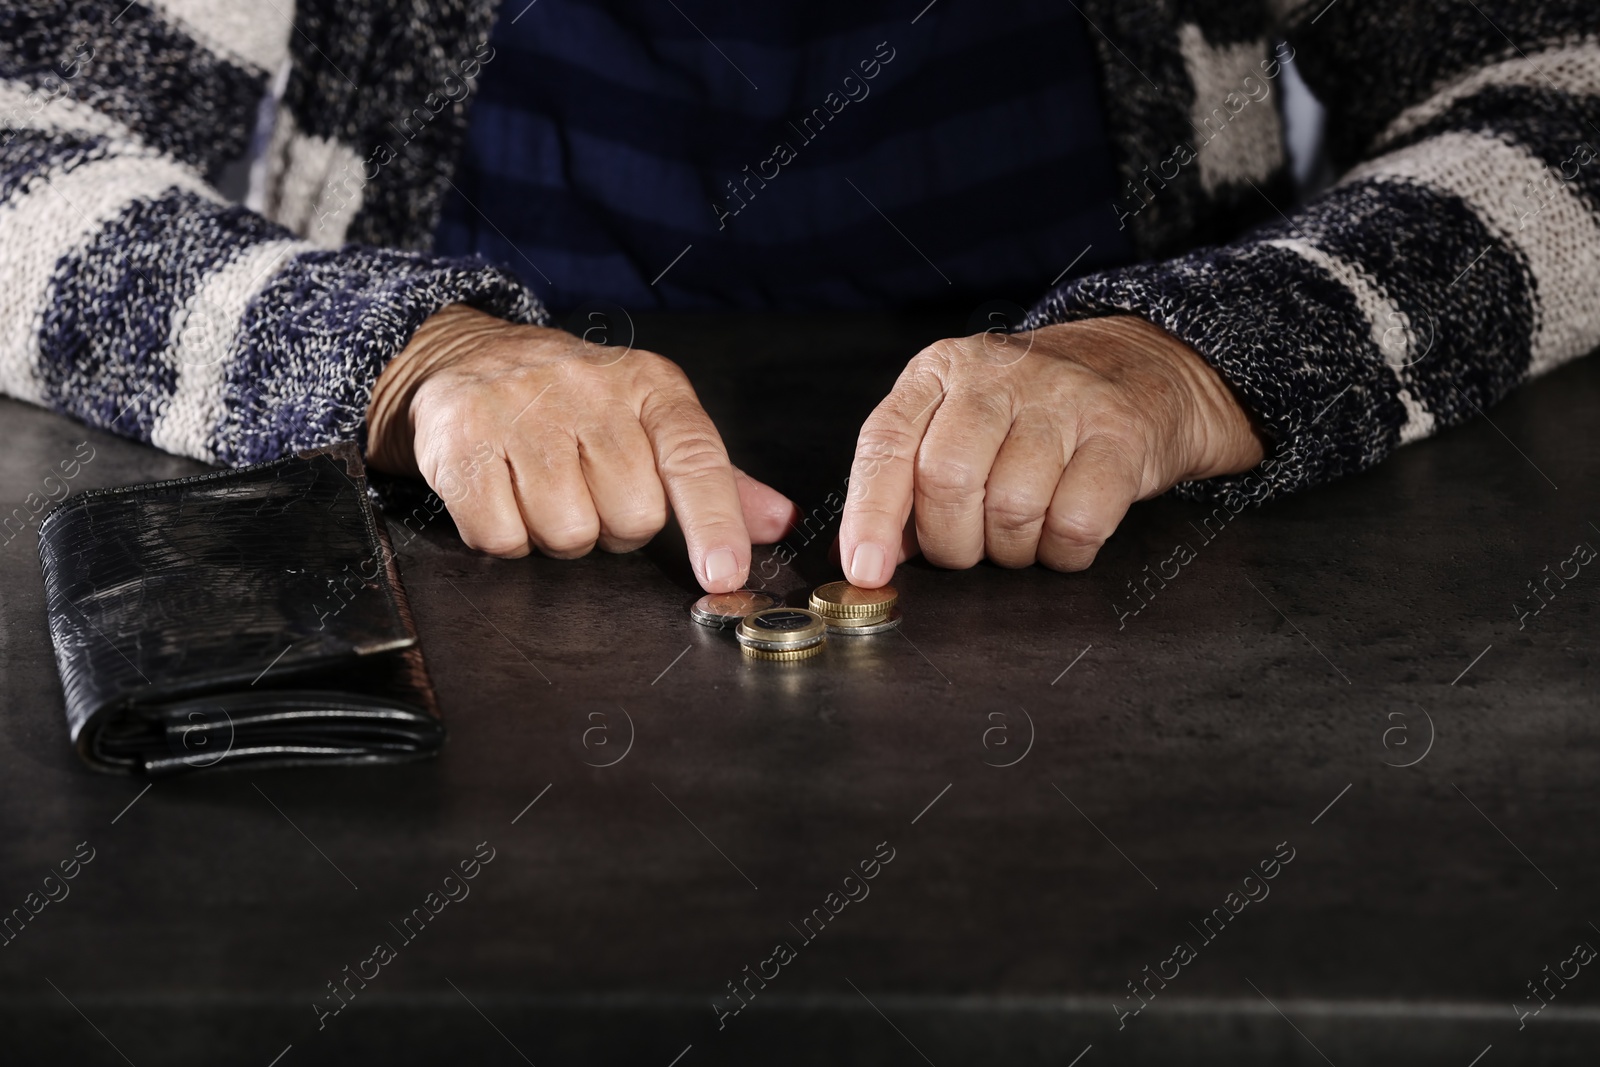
[(1457, 257), (133, 296)]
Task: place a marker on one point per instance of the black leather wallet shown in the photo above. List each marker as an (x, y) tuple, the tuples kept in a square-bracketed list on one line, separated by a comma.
[(246, 617)]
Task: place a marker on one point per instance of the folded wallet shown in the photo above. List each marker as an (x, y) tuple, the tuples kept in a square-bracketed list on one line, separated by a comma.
[(244, 617)]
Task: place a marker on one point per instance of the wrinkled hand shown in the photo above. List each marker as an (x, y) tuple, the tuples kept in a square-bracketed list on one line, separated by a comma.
[(535, 438), (1030, 447)]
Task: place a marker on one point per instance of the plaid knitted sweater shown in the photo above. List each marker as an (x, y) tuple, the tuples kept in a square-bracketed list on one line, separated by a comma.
[(1458, 255)]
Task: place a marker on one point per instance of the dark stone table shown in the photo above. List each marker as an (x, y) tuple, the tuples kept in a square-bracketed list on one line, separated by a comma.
[(1066, 800)]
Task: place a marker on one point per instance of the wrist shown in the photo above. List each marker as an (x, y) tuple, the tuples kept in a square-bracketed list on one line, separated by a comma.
[(1217, 435), (442, 336), (1227, 439)]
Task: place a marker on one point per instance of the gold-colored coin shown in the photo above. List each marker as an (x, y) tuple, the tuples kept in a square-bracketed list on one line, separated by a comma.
[(782, 653), (781, 628), (841, 600)]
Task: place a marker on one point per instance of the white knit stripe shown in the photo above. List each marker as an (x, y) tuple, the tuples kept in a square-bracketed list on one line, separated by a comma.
[(1560, 244), (204, 333), (1244, 141), (249, 34), (49, 217), (315, 185), (1386, 324), (23, 107), (1570, 68)]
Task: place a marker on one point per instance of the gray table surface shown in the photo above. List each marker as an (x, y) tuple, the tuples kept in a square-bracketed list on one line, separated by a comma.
[(1066, 800)]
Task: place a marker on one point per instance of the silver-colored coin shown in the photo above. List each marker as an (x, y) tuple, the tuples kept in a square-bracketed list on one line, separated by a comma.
[(877, 626), (781, 628), (720, 610)]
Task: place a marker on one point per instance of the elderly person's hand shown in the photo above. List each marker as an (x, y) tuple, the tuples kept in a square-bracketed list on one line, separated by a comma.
[(536, 438), (1030, 447)]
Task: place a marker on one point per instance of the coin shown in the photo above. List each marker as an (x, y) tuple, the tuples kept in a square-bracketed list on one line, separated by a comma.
[(863, 627), (777, 629), (782, 653), (719, 610), (841, 600)]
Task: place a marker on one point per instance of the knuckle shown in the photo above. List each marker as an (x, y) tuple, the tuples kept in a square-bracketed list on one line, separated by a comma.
[(883, 439), (1077, 531), (924, 379), (450, 422), (621, 545), (433, 397), (692, 455), (569, 542), (1122, 451), (1013, 558), (634, 527), (661, 370), (1013, 509), (947, 352), (443, 419), (1118, 425), (947, 478), (872, 455), (949, 557), (1066, 562), (466, 442), (502, 543), (866, 507), (455, 469)]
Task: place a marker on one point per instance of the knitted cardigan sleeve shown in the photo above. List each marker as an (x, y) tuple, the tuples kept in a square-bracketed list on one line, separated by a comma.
[(1458, 256), (135, 297)]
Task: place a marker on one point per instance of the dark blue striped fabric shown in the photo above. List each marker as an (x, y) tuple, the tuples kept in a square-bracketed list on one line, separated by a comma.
[(816, 155)]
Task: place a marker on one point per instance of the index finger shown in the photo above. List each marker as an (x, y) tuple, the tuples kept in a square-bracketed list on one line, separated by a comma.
[(699, 480), (882, 476)]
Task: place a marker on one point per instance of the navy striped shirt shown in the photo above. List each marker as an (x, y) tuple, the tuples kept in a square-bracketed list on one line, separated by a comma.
[(721, 154)]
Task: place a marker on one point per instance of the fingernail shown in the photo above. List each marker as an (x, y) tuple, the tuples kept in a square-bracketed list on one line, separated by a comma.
[(867, 565), (721, 566)]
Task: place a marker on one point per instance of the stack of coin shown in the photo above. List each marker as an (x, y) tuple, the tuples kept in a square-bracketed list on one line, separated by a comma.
[(781, 634), (852, 611), (721, 610)]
